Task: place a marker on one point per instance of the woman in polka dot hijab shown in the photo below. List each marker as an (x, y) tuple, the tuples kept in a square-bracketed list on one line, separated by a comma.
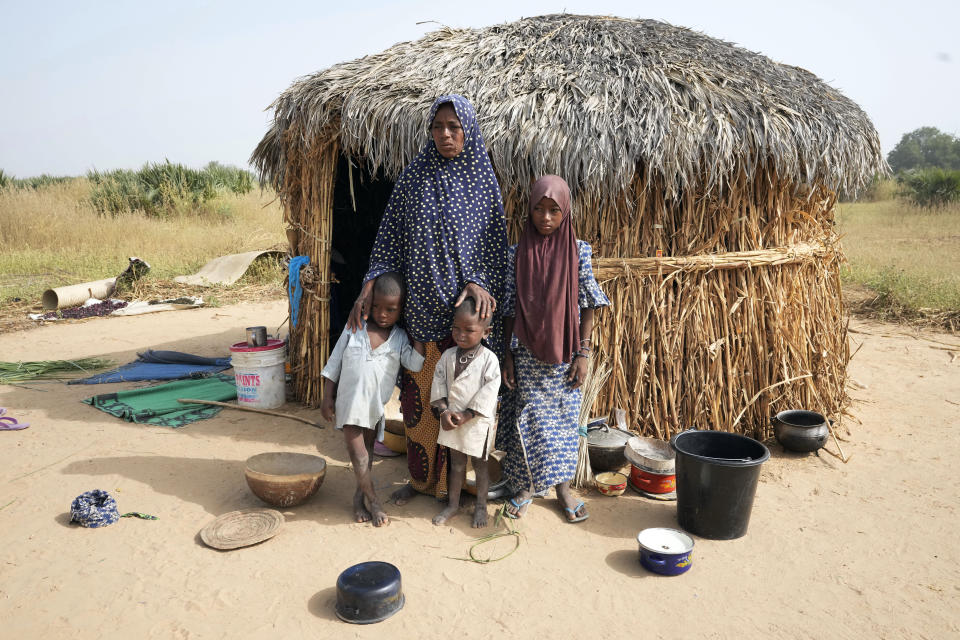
[(444, 230)]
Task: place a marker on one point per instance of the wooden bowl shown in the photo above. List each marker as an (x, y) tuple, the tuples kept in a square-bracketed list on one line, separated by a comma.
[(611, 483), (285, 479), (394, 426), (394, 442), (493, 466)]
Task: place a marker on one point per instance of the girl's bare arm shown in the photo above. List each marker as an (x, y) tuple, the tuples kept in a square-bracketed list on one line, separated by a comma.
[(578, 368)]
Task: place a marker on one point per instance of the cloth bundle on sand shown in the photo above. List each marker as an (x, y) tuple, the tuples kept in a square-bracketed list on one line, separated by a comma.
[(158, 404), (160, 365), (97, 508)]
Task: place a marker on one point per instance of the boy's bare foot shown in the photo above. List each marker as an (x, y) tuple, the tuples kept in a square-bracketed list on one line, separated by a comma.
[(446, 514), (403, 495), (360, 512), (479, 516), (377, 513), (517, 505)]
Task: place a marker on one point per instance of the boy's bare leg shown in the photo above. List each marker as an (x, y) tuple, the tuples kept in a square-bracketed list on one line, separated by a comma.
[(366, 506), (455, 477), (483, 487)]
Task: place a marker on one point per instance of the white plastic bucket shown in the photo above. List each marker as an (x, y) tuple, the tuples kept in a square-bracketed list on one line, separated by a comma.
[(259, 372)]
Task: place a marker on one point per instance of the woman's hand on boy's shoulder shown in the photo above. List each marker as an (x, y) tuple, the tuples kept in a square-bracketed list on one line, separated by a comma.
[(418, 346), (360, 309)]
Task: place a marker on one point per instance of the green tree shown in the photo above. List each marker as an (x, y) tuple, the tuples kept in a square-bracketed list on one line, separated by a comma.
[(925, 148)]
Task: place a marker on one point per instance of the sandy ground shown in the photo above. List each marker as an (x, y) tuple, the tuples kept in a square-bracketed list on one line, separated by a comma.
[(863, 549)]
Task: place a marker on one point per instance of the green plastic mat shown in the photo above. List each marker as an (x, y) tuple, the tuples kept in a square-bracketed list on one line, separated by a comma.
[(158, 404)]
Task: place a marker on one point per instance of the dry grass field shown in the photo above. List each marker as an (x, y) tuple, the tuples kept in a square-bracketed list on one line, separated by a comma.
[(52, 236), (908, 259), (904, 261)]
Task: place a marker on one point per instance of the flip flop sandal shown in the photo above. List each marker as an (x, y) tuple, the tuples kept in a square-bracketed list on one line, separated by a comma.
[(516, 506), (573, 512), (12, 424)]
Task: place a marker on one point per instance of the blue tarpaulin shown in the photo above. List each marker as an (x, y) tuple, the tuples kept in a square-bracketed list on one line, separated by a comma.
[(160, 365)]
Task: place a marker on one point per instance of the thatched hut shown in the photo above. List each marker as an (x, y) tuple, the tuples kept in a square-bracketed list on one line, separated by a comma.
[(704, 176)]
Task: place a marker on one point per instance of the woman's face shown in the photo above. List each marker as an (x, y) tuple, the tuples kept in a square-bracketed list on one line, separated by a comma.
[(546, 216), (447, 132)]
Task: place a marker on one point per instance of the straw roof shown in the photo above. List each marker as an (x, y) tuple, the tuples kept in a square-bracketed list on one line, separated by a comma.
[(590, 98)]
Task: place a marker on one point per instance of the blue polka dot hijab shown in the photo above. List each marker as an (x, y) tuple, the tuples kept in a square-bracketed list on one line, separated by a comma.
[(443, 228)]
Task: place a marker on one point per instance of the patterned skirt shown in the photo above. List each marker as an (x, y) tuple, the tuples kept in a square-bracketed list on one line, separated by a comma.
[(426, 461), (538, 425)]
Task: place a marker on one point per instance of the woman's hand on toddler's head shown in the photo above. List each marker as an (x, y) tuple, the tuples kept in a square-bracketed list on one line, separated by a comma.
[(486, 303)]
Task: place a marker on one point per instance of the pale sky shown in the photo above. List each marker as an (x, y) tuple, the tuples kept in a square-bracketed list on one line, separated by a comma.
[(110, 85)]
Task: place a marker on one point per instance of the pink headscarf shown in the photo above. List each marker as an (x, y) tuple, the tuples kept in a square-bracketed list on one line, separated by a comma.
[(547, 270)]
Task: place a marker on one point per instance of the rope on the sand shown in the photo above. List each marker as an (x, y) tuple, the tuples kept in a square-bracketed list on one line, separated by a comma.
[(510, 532)]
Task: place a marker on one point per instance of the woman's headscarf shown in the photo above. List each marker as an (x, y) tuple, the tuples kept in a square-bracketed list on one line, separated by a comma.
[(443, 227), (547, 314)]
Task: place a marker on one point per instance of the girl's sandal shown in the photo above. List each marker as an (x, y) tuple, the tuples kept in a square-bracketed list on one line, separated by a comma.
[(518, 507), (571, 514)]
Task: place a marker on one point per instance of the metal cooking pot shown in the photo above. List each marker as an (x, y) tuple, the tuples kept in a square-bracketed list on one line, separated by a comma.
[(665, 551), (801, 431), (605, 446), (369, 592)]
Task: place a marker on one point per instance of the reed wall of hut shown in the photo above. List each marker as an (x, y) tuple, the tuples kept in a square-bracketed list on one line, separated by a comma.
[(725, 289)]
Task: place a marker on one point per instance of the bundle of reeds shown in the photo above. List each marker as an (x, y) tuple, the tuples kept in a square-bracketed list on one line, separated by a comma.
[(15, 372), (308, 189), (597, 374)]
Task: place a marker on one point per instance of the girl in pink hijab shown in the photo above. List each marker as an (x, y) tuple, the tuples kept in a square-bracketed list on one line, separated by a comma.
[(549, 298)]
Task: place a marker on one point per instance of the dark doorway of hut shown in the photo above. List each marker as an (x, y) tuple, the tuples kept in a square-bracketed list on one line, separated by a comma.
[(359, 199)]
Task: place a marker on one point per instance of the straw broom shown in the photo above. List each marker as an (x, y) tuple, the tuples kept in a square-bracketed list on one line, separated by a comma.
[(597, 374)]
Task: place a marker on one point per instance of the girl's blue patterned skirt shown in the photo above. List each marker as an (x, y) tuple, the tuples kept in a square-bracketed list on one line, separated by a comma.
[(538, 425)]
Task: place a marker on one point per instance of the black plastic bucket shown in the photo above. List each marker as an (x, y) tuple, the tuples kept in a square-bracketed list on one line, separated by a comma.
[(717, 475)]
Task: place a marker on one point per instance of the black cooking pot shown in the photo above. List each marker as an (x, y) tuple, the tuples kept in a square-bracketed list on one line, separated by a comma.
[(605, 446), (369, 592), (800, 430)]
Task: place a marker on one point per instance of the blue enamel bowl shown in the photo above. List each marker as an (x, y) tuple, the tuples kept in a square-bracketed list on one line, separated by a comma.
[(668, 552)]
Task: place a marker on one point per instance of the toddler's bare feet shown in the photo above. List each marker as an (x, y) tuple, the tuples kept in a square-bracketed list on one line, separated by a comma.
[(446, 514), (377, 513), (479, 516), (402, 495), (360, 513)]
